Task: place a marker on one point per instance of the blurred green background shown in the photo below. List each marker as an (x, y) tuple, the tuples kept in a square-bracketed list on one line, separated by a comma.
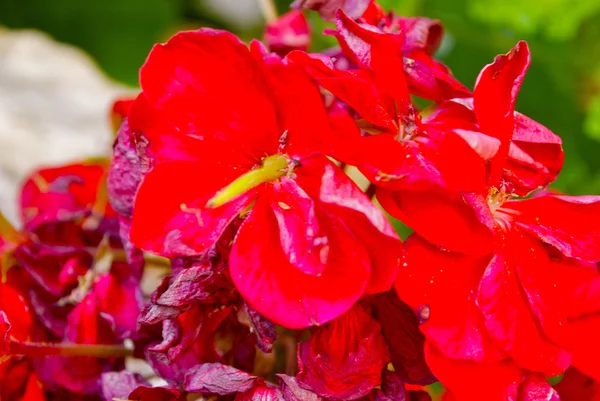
[(562, 88)]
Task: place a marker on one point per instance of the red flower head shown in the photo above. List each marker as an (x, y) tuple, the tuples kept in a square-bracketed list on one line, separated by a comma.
[(235, 133), (497, 307)]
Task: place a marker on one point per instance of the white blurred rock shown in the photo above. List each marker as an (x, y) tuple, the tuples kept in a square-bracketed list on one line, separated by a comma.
[(54, 104)]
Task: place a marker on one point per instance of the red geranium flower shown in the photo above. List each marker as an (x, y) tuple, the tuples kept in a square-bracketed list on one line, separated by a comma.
[(229, 133)]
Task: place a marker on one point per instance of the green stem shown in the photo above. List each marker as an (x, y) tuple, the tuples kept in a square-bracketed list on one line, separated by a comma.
[(39, 350)]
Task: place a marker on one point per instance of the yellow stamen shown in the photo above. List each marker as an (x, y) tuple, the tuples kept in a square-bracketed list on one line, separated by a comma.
[(273, 167)]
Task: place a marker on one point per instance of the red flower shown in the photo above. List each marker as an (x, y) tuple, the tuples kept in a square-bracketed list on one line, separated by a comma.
[(398, 153), (258, 155)]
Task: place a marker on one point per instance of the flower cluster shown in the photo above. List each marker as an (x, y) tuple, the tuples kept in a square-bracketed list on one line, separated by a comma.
[(268, 179)]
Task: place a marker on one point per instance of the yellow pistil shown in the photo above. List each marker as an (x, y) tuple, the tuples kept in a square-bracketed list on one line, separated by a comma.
[(273, 167)]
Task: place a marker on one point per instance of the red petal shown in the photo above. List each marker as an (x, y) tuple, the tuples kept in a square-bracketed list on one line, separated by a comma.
[(535, 387), (122, 301), (439, 286), (210, 73), (341, 198), (458, 223), (509, 298), (61, 193), (289, 32), (17, 315), (568, 223), (380, 54), (280, 291), (421, 33), (303, 242), (535, 157), (170, 217), (300, 109), (355, 88), (472, 381), (345, 358), (494, 99)]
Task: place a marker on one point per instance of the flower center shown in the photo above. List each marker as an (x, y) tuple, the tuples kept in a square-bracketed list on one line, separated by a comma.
[(272, 168)]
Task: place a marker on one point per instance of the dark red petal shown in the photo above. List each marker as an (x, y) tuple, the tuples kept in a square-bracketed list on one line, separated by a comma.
[(400, 328), (170, 217), (216, 378), (280, 291), (576, 386), (568, 223), (263, 328), (126, 171), (439, 285), (210, 72), (156, 394), (340, 197), (292, 391), (509, 298), (455, 222), (472, 381), (535, 387), (494, 99), (289, 32), (345, 358)]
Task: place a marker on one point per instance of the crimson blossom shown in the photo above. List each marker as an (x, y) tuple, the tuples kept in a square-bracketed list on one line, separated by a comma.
[(311, 243)]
